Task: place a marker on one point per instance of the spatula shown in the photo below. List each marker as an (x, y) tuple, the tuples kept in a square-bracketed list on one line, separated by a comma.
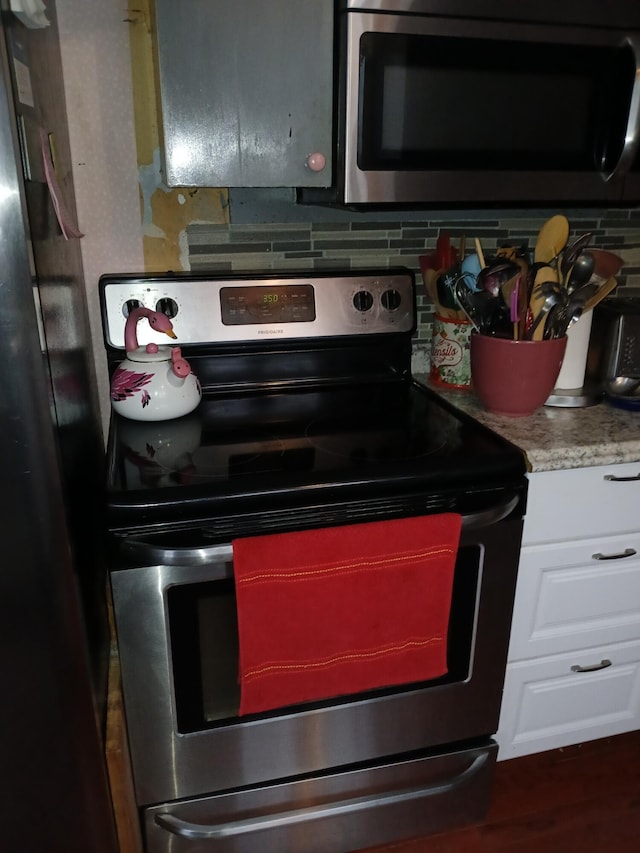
[(552, 238)]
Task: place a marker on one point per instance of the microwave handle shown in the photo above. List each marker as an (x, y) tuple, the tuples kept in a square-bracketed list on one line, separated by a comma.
[(632, 132)]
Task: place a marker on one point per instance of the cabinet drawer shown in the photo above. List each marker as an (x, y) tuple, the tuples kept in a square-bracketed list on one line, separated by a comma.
[(565, 505), (547, 705), (576, 595)]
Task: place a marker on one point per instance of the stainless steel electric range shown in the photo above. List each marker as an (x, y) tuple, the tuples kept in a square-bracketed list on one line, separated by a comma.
[(310, 419)]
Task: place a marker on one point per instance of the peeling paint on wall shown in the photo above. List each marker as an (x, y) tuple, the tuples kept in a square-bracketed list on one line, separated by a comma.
[(166, 212), (149, 179)]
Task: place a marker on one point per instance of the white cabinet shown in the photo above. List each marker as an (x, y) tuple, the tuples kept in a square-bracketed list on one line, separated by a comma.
[(573, 671), (569, 505), (246, 92)]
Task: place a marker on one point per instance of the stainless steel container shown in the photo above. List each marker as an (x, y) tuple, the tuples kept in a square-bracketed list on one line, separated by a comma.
[(614, 348)]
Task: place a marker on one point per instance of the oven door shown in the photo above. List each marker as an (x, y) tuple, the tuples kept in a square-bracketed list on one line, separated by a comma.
[(177, 641), (451, 109)]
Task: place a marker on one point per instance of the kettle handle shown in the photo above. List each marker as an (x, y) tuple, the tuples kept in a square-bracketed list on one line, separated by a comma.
[(179, 365)]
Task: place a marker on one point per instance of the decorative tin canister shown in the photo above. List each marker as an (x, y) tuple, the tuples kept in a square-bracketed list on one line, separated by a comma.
[(450, 363)]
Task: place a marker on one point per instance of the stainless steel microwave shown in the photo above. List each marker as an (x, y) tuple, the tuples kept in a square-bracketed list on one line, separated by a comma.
[(488, 101)]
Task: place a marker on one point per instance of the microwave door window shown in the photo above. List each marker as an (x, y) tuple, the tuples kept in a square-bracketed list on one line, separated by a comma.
[(437, 103)]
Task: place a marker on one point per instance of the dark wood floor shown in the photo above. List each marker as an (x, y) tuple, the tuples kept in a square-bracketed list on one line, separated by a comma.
[(584, 798)]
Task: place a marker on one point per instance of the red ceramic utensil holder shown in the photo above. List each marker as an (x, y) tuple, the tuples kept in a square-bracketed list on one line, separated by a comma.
[(514, 378)]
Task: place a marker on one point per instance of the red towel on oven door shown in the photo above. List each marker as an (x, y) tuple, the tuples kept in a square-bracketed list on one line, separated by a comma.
[(323, 613)]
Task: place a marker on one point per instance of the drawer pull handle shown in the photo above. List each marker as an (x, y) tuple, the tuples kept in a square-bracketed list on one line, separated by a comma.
[(628, 552), (604, 663), (351, 808), (613, 479)]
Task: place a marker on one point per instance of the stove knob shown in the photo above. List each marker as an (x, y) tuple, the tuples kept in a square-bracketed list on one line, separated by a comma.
[(363, 300), (131, 305), (167, 306), (391, 300)]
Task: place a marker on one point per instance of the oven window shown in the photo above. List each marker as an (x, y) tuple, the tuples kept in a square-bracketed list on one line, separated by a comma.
[(204, 645), (432, 102)]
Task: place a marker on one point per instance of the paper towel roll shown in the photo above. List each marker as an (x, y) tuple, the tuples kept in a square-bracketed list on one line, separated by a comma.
[(574, 364)]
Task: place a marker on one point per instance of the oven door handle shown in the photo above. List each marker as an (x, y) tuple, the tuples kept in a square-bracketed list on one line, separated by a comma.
[(167, 555), (201, 556), (492, 515), (187, 829)]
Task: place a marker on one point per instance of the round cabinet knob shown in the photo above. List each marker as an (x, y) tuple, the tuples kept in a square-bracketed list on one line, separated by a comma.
[(316, 161), (167, 306), (363, 300), (391, 300)]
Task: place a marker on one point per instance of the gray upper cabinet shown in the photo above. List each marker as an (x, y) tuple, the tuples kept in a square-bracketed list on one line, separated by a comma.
[(246, 92)]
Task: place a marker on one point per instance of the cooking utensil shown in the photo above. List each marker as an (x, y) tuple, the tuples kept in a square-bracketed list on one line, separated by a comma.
[(513, 308), (572, 252), (430, 273), (626, 386), (429, 277), (428, 262), (564, 315), (509, 253), (606, 263), (509, 294), (487, 313), (493, 276), (573, 315), (542, 274), (479, 252), (581, 271), (467, 310), (581, 294), (523, 297), (469, 269), (445, 284), (603, 291), (536, 332), (569, 309), (445, 252), (552, 238), (507, 288), (560, 319)]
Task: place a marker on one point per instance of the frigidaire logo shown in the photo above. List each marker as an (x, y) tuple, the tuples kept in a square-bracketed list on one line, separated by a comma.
[(270, 331)]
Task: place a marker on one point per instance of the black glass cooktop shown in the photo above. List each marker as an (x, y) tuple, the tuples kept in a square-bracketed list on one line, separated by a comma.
[(302, 451)]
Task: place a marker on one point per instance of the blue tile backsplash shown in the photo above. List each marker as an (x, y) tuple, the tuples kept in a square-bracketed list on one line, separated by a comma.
[(324, 239)]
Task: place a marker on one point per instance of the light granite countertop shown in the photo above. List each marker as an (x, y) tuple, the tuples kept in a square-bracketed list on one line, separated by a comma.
[(555, 438)]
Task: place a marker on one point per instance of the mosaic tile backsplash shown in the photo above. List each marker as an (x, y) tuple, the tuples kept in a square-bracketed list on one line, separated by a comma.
[(356, 241)]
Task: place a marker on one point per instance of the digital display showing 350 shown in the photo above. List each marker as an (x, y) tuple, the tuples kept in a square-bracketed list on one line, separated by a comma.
[(281, 303)]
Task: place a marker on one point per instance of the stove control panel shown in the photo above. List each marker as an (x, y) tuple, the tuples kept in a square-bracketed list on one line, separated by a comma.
[(218, 310)]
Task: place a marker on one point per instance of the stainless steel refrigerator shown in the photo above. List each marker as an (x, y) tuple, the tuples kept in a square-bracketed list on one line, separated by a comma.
[(54, 793)]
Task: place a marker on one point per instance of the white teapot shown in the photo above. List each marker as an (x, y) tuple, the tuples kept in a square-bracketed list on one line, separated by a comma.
[(153, 383)]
